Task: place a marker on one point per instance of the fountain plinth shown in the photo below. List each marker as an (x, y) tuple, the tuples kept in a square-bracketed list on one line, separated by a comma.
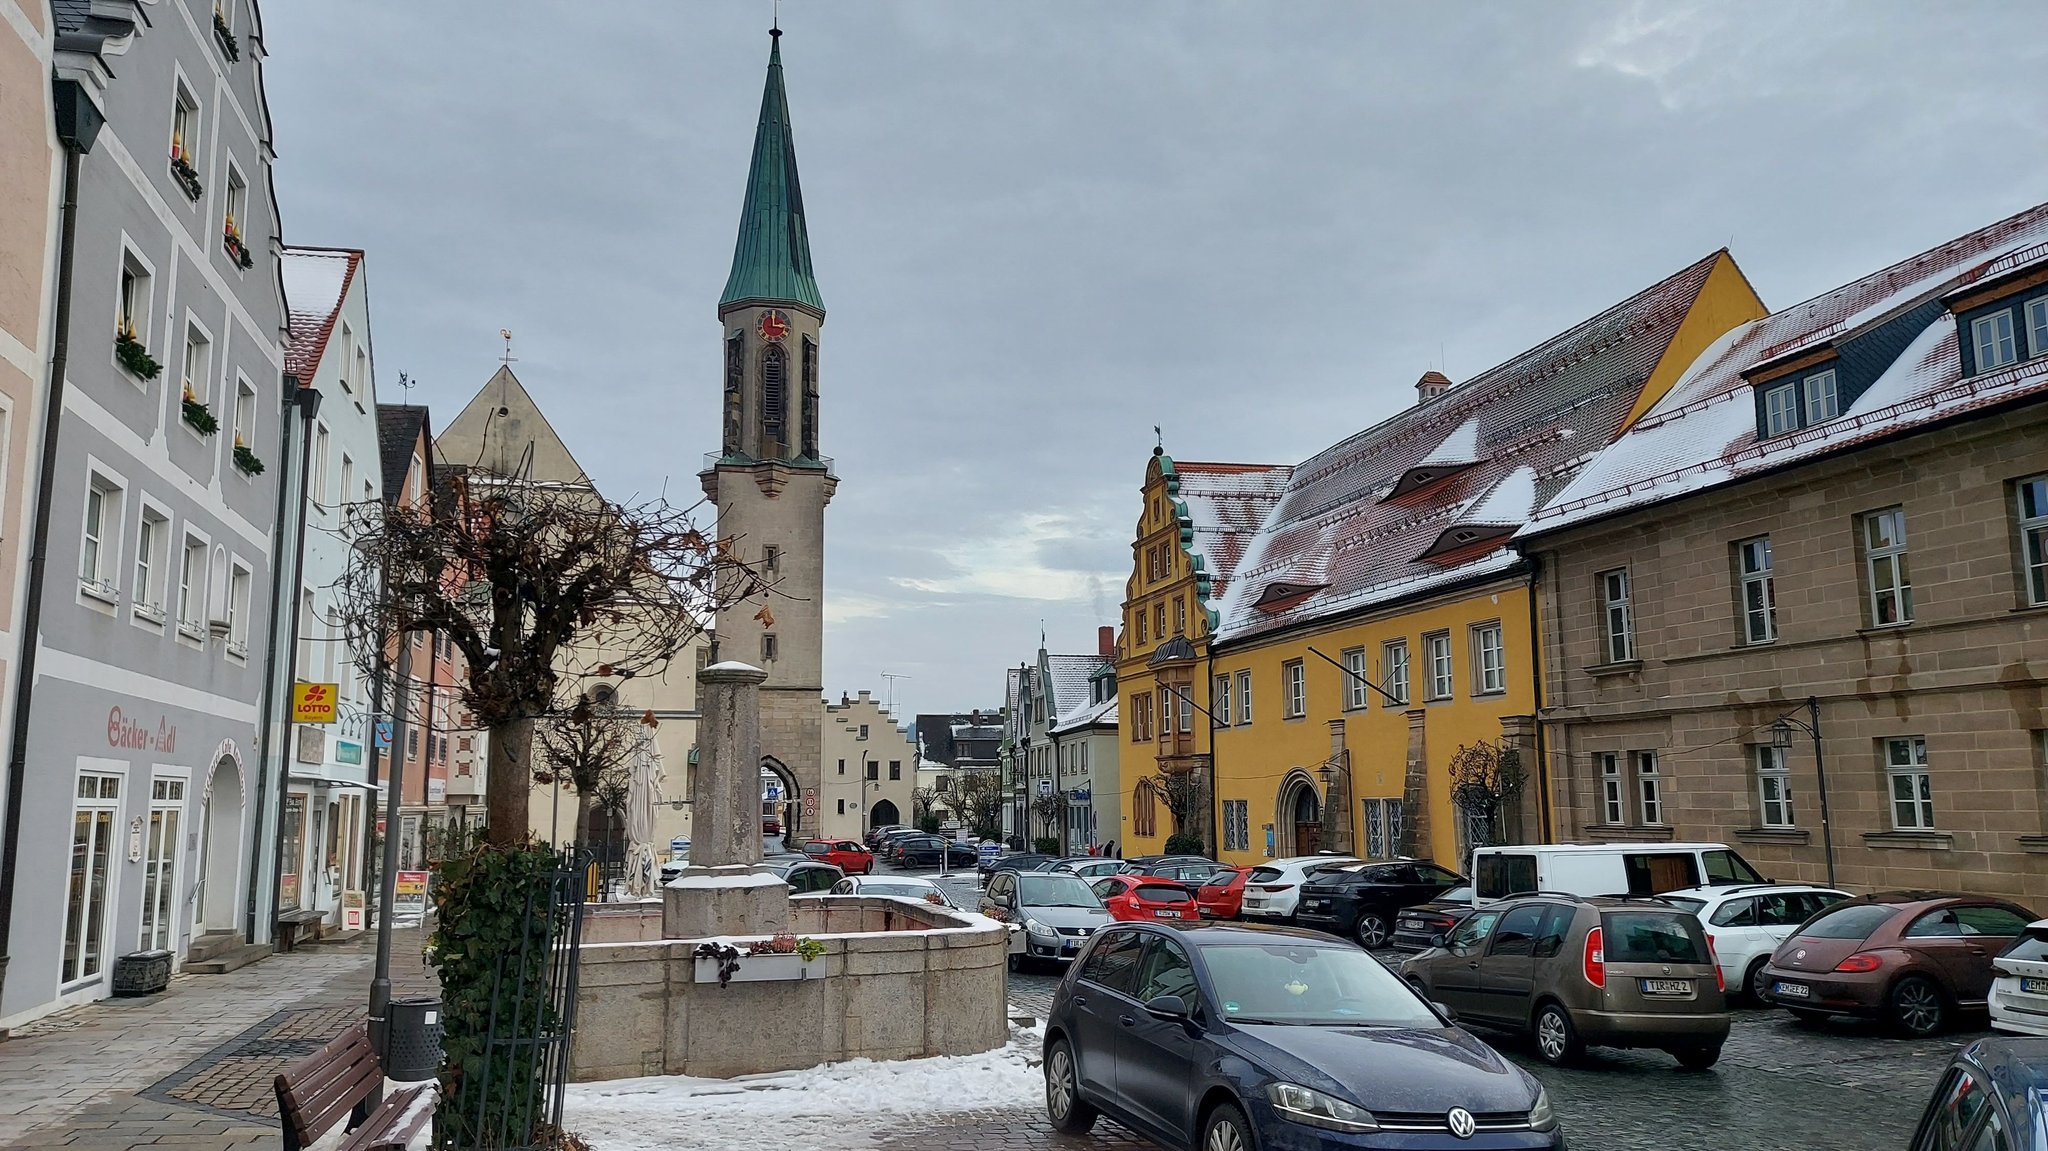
[(725, 890)]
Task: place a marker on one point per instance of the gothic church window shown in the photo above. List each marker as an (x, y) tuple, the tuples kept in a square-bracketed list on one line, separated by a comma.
[(809, 429), (774, 396), (735, 382)]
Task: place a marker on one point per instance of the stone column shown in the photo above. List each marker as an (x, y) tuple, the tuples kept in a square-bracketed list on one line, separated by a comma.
[(1415, 840), (725, 890), (1337, 795), (1523, 818)]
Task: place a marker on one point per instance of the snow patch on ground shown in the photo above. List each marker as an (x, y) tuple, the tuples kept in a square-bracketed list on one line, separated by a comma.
[(835, 1105)]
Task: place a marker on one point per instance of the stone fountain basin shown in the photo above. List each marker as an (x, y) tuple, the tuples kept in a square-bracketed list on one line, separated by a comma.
[(898, 979)]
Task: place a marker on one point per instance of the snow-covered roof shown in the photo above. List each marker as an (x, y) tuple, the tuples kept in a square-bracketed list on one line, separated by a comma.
[(1070, 675), (1087, 715), (1703, 433), (1370, 519), (315, 282), (1225, 504)]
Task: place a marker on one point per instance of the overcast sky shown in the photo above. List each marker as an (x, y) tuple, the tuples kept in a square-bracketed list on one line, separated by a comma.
[(1040, 229)]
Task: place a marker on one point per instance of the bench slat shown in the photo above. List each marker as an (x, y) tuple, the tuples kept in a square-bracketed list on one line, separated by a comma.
[(383, 1130), (319, 1090)]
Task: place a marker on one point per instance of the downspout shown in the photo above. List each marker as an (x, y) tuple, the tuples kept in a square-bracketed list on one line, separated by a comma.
[(1536, 649), (309, 406), (264, 706), (78, 125)]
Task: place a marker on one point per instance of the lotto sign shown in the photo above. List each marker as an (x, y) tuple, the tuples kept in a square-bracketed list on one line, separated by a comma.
[(409, 897), (313, 702)]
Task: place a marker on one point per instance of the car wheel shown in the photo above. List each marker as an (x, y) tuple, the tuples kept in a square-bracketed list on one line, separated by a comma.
[(1756, 982), (1226, 1130), (1557, 1041), (1069, 1113), (1371, 930), (1697, 1058), (1916, 1006)]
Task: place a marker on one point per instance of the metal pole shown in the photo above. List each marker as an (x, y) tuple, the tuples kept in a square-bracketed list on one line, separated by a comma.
[(1820, 768), (387, 884), (308, 401)]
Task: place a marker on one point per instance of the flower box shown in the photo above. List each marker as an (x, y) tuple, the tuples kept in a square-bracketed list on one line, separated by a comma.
[(765, 969), (142, 973), (200, 416), (133, 356), (229, 46), (186, 176), (246, 460), (238, 252)]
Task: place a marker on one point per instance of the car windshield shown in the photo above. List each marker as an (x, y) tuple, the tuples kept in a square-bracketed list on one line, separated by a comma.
[(1650, 937), (1309, 985), (1220, 879), (910, 890), (1686, 903), (1855, 922), (1037, 889)]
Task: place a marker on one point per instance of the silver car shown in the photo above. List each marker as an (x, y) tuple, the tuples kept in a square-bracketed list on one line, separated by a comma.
[(1057, 911)]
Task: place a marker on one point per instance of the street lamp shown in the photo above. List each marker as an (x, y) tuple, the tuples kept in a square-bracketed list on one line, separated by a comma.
[(1781, 739)]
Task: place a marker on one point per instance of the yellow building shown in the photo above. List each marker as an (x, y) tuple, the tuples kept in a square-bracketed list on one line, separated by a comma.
[(1322, 641)]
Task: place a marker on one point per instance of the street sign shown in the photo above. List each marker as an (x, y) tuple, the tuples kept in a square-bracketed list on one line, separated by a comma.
[(313, 702), (1045, 787), (383, 735), (990, 850), (810, 799)]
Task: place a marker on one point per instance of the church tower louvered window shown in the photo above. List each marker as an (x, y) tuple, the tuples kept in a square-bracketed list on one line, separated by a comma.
[(735, 389), (774, 398), (809, 436)]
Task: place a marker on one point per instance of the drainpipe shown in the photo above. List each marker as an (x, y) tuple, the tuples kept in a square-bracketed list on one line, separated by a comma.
[(309, 406), (78, 124), (1548, 832), (277, 521)]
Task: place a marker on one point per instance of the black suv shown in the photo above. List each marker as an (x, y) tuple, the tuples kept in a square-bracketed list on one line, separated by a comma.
[(1361, 901)]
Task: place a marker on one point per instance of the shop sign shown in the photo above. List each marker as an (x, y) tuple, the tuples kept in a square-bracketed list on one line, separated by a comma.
[(383, 735), (312, 745), (135, 840), (347, 751), (313, 702), (437, 791), (127, 732), (288, 890), (351, 911), (409, 899)]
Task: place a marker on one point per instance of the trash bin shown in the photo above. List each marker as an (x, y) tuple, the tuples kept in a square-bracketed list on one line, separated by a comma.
[(414, 1038)]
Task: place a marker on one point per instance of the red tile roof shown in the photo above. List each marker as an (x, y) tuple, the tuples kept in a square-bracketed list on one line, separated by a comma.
[(1226, 503), (316, 281)]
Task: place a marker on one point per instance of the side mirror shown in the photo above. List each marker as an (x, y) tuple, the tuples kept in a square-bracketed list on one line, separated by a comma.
[(1171, 1008), (1449, 1015), (1000, 900), (1436, 939)]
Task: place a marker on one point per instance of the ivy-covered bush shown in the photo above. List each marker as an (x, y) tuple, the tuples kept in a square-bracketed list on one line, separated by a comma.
[(1184, 844), (1046, 845)]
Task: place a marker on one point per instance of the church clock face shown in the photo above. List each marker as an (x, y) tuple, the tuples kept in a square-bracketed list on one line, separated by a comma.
[(774, 326)]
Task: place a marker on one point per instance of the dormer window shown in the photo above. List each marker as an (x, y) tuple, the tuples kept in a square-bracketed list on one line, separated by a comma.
[(1781, 409), (1994, 340), (2037, 326), (1821, 398)]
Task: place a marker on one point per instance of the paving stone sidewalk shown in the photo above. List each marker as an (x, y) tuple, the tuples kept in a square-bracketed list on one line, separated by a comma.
[(191, 1066)]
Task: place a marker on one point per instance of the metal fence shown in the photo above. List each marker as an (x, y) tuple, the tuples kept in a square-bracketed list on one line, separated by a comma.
[(514, 1103)]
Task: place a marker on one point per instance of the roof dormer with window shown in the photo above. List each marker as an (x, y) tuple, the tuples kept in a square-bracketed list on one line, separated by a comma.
[(1812, 379), (2002, 316)]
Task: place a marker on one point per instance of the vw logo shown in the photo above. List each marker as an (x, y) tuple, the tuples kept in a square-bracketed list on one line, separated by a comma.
[(1461, 1123)]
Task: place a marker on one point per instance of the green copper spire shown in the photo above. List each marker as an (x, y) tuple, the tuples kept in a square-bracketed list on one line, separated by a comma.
[(772, 261)]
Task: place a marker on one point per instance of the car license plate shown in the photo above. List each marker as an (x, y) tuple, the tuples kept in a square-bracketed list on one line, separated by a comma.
[(2033, 986), (1071, 945), (1667, 987), (1167, 914), (1791, 990), (1255, 903), (1315, 904)]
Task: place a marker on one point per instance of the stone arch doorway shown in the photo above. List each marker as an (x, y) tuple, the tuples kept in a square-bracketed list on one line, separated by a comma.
[(884, 814), (788, 806), (220, 848), (1299, 819)]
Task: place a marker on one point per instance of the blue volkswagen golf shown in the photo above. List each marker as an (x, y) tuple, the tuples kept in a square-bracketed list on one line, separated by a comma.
[(1233, 1037)]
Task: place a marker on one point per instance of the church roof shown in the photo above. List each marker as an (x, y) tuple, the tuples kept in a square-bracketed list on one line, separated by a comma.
[(772, 261), (502, 431)]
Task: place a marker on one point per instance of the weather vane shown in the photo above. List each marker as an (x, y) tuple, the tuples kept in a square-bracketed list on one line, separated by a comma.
[(405, 382), (506, 335), (1158, 438)]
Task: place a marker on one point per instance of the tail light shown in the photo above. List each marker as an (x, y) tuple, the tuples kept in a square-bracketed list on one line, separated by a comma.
[(1860, 962), (1720, 980), (1595, 962), (1273, 887)]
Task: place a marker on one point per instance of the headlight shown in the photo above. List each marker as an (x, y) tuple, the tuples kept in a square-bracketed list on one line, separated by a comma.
[(1541, 1117), (1316, 1109), (1036, 928)]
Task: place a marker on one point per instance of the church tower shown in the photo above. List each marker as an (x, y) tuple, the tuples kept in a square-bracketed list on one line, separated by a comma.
[(769, 480)]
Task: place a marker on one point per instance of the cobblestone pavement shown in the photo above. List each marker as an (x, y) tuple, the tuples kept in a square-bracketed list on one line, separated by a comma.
[(191, 1066)]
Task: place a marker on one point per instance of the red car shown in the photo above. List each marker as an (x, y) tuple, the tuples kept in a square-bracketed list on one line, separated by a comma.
[(1221, 896), (1130, 897), (844, 854)]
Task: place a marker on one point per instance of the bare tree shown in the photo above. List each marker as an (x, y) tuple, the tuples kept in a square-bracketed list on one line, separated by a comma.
[(978, 799), (1050, 810), (1485, 778), (922, 801), (590, 748), (1186, 799), (519, 573)]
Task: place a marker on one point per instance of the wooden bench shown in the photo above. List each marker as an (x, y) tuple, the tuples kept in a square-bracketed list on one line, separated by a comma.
[(290, 924), (322, 1090)]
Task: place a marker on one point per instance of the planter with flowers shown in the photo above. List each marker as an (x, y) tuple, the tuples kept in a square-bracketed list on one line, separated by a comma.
[(199, 415), (779, 958), (182, 170), (130, 353), (246, 459), (231, 240), (229, 46)]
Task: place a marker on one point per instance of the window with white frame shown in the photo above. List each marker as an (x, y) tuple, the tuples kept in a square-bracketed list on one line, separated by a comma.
[(1180, 615), (238, 610), (348, 477), (1612, 809), (1910, 783), (133, 305), (1619, 613), (362, 370), (1822, 401), (1884, 559), (237, 199), (1354, 679), (1781, 409), (97, 551), (1649, 788), (1773, 787), (2037, 326), (1436, 651), (1992, 336), (1186, 705), (348, 355), (152, 541), (192, 586), (198, 354), (244, 414), (1382, 828), (321, 442), (1759, 590), (1244, 697), (1294, 681), (184, 124), (96, 810), (1219, 700), (309, 618), (1394, 668), (1489, 660), (2032, 499)]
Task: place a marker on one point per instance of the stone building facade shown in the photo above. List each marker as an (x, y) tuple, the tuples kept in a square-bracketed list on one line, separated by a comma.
[(868, 771), (1838, 520)]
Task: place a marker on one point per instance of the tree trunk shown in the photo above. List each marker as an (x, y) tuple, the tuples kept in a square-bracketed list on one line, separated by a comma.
[(510, 783)]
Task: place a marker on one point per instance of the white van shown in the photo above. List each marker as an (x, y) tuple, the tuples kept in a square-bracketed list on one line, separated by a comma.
[(1605, 869)]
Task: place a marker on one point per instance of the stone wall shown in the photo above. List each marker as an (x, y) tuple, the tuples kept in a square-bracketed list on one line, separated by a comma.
[(898, 980)]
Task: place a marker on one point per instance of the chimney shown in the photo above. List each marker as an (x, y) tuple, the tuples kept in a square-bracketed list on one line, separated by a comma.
[(1431, 385), (1105, 642)]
